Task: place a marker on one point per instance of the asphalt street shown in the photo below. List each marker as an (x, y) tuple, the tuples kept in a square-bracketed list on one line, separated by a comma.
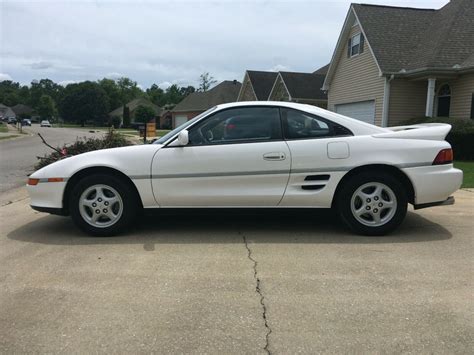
[(278, 283), (18, 156)]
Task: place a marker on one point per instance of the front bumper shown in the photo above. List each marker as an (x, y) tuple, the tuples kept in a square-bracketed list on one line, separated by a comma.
[(47, 194), (51, 210)]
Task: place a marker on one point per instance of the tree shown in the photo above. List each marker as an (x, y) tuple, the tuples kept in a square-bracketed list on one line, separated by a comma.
[(126, 116), (44, 87), (113, 92), (173, 95), (156, 95), (83, 102), (206, 80), (129, 90), (46, 107), (144, 114), (185, 91)]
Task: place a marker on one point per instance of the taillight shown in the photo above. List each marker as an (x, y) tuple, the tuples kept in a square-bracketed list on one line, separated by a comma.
[(445, 156)]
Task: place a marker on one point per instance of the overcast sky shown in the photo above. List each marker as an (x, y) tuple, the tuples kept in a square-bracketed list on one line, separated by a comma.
[(167, 42)]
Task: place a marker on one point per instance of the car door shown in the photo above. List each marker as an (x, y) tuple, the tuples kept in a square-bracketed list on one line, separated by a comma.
[(235, 157), (319, 152)]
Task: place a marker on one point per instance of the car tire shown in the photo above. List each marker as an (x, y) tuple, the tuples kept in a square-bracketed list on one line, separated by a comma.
[(103, 205), (372, 203)]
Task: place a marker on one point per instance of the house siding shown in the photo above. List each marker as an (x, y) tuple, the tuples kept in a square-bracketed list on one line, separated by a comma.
[(462, 90), (357, 79), (279, 92), (407, 100), (247, 93)]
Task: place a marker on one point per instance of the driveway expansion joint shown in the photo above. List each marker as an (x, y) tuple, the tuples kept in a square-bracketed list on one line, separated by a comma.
[(258, 290)]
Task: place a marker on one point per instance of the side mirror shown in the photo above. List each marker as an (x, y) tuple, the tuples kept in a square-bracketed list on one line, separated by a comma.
[(183, 137)]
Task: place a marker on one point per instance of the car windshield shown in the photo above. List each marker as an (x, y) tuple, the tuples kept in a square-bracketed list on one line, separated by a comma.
[(183, 126)]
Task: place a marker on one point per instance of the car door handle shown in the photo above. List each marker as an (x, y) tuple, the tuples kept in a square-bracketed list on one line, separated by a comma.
[(274, 156)]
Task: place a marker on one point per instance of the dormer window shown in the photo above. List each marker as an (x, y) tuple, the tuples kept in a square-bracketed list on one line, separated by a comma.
[(355, 45)]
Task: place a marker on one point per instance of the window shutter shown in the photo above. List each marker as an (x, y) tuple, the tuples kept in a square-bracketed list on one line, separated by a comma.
[(349, 45), (362, 40)]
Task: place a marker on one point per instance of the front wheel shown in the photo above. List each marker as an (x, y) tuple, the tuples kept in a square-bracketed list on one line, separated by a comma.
[(102, 205), (372, 203)]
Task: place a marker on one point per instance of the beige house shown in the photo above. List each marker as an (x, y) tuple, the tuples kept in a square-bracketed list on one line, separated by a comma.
[(394, 63)]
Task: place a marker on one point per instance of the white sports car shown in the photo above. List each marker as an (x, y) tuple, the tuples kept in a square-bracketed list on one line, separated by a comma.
[(258, 154)]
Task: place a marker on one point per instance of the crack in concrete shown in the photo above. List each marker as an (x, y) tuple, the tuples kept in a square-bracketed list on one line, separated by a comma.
[(258, 289)]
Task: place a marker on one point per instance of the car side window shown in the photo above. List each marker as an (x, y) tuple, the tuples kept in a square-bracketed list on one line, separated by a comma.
[(303, 125), (238, 125)]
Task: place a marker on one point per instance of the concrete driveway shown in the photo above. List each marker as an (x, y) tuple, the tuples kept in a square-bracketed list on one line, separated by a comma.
[(276, 282)]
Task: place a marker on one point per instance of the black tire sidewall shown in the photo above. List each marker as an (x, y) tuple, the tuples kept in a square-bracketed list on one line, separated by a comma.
[(344, 203), (126, 193)]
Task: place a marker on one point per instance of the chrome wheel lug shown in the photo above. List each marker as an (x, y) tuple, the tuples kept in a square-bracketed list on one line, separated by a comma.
[(380, 204), (97, 211), (106, 203), (368, 200), (104, 210), (376, 198), (99, 199), (368, 208), (94, 204), (375, 210)]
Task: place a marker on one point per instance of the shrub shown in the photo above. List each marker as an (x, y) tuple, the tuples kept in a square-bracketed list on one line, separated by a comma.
[(111, 140), (116, 121), (461, 136)]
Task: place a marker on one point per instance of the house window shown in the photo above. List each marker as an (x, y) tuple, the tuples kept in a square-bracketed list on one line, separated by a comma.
[(444, 101), (355, 45)]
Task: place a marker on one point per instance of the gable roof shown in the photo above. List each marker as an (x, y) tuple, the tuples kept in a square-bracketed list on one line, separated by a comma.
[(408, 40), (21, 109), (132, 105), (304, 85), (322, 70), (226, 91), (262, 82)]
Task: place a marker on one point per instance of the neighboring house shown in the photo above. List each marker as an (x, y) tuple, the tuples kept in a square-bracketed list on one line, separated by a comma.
[(6, 112), (395, 63), (132, 106), (256, 85), (198, 102), (22, 110), (299, 87)]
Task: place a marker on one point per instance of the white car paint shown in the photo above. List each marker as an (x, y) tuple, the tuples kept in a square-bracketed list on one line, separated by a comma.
[(241, 175)]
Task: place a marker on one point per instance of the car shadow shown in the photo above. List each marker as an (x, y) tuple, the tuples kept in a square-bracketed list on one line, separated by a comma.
[(281, 226)]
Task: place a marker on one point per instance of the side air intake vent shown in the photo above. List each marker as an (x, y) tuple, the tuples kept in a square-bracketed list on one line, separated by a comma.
[(316, 177), (312, 187)]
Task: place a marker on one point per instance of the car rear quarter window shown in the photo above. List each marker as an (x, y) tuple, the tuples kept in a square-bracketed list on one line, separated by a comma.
[(303, 125)]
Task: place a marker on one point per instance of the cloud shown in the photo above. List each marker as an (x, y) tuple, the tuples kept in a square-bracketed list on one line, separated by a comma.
[(67, 82), (4, 77), (114, 76), (279, 67), (169, 42), (41, 65)]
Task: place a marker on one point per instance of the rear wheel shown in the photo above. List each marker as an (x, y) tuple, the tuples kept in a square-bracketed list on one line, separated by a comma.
[(103, 205), (372, 203)]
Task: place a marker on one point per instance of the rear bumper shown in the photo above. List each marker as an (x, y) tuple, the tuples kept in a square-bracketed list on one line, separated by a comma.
[(449, 201), (434, 183)]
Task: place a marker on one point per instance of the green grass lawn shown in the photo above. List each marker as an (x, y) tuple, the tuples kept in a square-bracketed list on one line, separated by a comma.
[(3, 128), (468, 168)]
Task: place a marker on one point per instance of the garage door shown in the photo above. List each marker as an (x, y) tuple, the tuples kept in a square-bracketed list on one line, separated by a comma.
[(179, 120), (364, 110)]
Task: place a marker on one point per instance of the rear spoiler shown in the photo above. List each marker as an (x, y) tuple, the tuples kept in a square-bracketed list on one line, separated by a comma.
[(428, 131)]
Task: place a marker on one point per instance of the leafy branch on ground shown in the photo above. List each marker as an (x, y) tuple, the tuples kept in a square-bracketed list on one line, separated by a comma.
[(112, 139)]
